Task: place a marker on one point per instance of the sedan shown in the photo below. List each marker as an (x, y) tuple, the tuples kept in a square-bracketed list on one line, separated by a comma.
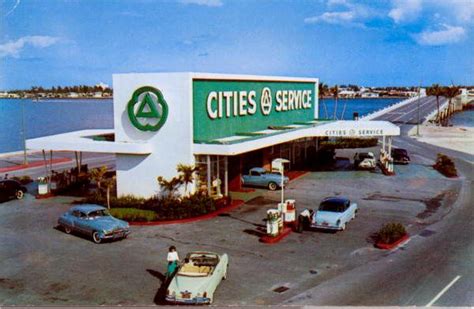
[(364, 160), (333, 214), (260, 177), (197, 278), (400, 156), (94, 221), (10, 189)]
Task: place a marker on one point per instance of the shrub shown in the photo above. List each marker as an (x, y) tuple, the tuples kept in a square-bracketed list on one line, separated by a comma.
[(133, 214), (164, 208), (445, 165), (391, 232)]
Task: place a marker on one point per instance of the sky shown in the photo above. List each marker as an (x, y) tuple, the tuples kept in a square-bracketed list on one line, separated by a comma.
[(370, 43)]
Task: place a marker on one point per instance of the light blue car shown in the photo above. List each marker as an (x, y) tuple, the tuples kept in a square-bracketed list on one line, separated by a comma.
[(260, 177), (333, 214), (94, 221)]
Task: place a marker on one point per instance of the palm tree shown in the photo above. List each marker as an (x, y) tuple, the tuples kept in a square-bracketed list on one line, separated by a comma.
[(322, 90), (450, 93), (169, 186), (335, 93), (186, 175), (109, 183), (437, 91), (97, 174)]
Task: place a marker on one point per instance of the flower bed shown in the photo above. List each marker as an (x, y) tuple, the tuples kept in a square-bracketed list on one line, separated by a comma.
[(390, 236), (163, 208)]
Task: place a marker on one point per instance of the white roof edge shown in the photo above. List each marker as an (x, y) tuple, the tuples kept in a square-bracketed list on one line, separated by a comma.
[(80, 141), (379, 128), (219, 76)]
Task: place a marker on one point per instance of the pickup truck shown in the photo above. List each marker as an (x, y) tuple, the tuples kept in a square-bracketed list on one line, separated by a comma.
[(260, 177)]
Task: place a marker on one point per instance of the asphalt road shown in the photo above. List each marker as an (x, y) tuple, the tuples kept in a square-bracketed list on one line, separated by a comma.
[(408, 114), (436, 267)]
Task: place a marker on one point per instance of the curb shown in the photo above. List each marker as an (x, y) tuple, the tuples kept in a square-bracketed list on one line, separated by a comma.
[(385, 246), (235, 204)]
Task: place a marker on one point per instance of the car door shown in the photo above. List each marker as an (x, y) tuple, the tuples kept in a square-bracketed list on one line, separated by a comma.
[(3, 192), (253, 178), (347, 212), (81, 223)]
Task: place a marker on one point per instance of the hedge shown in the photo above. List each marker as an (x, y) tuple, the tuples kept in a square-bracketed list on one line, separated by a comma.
[(133, 214), (445, 166)]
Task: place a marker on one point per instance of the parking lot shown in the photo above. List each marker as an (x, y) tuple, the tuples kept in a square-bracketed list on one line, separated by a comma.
[(44, 266)]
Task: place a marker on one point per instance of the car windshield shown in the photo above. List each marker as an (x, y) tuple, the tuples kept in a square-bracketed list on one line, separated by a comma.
[(98, 213), (333, 206), (363, 156), (400, 151)]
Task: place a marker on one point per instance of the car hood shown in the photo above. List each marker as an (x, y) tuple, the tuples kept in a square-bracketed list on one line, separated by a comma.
[(107, 223), (327, 216), (191, 284)]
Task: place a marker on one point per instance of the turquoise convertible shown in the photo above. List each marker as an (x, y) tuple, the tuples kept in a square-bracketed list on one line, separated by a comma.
[(95, 221), (197, 278)]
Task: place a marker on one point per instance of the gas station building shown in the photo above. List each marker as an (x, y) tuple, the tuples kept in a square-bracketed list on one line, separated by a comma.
[(223, 124)]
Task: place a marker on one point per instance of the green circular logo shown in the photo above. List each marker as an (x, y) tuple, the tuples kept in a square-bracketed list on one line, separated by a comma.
[(147, 109)]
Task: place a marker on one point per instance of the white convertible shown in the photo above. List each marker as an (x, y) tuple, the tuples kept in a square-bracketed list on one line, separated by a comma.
[(333, 214), (197, 278)]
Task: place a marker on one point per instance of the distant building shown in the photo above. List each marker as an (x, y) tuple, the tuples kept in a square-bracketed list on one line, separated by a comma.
[(97, 94), (73, 95), (369, 95), (347, 94), (102, 85)]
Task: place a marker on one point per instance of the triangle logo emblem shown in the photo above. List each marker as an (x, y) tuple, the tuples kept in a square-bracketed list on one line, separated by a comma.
[(147, 108)]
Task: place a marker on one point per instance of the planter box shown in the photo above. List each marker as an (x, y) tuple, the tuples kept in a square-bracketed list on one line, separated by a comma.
[(385, 246)]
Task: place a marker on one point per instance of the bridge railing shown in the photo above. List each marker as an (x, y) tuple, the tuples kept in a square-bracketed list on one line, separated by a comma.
[(390, 108)]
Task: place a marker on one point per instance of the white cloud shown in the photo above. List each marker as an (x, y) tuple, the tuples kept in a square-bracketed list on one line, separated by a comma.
[(13, 48), (352, 14), (331, 18), (405, 10), (447, 35), (213, 3), (463, 9)]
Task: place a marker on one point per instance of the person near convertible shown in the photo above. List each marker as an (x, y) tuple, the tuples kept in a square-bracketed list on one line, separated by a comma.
[(173, 261)]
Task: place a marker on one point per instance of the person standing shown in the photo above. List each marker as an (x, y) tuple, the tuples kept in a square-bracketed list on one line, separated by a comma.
[(173, 260)]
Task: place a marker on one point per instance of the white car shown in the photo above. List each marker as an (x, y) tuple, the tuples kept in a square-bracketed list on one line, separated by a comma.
[(365, 160), (197, 278), (333, 214)]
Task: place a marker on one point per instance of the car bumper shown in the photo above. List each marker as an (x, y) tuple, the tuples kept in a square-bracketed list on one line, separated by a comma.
[(326, 227), (114, 235), (194, 300)]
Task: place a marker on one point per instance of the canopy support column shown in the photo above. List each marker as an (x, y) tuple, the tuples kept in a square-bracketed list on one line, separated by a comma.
[(208, 161), (226, 176)]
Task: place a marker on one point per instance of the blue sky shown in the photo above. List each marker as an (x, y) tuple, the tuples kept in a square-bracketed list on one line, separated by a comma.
[(371, 43)]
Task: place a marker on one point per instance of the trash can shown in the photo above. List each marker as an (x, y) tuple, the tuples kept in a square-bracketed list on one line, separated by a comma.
[(273, 219)]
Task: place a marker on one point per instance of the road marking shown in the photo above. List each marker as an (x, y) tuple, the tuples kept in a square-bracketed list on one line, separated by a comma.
[(443, 291)]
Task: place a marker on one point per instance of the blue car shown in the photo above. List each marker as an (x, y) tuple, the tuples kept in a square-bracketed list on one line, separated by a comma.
[(260, 177), (333, 214), (94, 221)]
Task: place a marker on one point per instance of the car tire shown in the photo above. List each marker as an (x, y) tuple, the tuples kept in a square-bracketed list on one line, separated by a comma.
[(343, 227), (19, 194), (96, 238), (272, 186), (67, 229)]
